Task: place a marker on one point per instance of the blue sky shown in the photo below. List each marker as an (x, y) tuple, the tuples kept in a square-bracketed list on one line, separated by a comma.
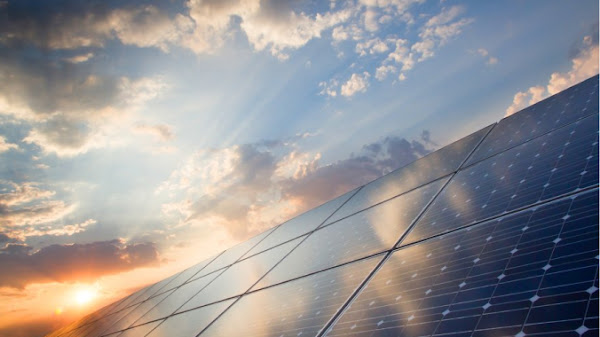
[(154, 134)]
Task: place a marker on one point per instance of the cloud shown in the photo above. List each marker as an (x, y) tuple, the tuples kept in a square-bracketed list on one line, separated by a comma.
[(4, 146), (268, 25), (356, 83), (490, 60), (248, 188), (382, 72), (73, 262), (27, 210), (329, 88), (373, 46), (69, 108), (14, 194), (160, 131), (74, 25), (584, 65), (80, 58)]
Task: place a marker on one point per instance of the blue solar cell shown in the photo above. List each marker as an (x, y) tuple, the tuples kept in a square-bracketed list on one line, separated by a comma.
[(433, 166), (297, 308), (563, 161), (533, 271), (561, 109), (301, 224), (369, 232)]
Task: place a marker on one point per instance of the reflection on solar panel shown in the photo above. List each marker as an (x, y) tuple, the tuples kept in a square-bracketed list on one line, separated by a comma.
[(493, 235)]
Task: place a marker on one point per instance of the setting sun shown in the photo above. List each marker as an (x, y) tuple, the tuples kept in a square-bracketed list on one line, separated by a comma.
[(85, 295)]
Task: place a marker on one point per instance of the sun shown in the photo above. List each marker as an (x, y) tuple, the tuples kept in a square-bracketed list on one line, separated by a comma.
[(85, 295)]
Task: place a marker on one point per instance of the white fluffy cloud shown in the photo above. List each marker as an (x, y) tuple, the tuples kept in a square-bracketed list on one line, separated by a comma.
[(583, 66), (356, 83), (4, 146)]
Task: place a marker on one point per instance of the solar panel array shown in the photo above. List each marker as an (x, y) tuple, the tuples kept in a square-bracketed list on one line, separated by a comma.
[(493, 235)]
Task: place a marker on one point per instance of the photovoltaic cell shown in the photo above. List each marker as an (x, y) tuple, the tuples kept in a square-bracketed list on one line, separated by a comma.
[(296, 308), (134, 315), (190, 323), (534, 272), (137, 331), (176, 299), (301, 224), (232, 254), (417, 173), (563, 161), (371, 231), (240, 277), (556, 111)]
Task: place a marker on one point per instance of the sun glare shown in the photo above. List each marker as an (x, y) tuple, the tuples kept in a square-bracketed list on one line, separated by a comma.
[(85, 295)]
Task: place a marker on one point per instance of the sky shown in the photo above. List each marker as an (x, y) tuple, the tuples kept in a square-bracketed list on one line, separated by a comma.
[(138, 138)]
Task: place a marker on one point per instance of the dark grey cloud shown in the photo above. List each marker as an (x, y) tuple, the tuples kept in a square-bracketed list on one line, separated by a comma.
[(71, 263)]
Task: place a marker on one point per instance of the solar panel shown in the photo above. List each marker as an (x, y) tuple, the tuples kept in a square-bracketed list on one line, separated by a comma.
[(533, 272), (563, 161), (233, 254), (241, 276), (176, 299), (134, 315), (433, 166), (189, 323), (371, 231), (297, 308), (554, 112), (140, 330), (301, 224), (505, 246)]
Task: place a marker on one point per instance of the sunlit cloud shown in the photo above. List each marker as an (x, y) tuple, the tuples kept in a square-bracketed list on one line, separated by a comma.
[(583, 66), (248, 188)]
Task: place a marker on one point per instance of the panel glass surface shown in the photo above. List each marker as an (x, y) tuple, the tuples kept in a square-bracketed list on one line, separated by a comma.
[(534, 272), (190, 323), (561, 109), (365, 233), (301, 224), (241, 276), (232, 254), (296, 308), (97, 327), (135, 314), (560, 162), (181, 295), (420, 172), (138, 331)]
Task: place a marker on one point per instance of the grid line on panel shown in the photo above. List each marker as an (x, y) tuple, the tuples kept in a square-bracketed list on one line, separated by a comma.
[(503, 121), (518, 271), (275, 265), (500, 215), (307, 234), (154, 295), (468, 164), (389, 252), (498, 279), (556, 186)]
